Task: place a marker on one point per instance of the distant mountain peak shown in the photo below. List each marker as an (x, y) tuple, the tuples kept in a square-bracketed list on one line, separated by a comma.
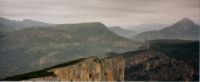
[(186, 21), (30, 21), (184, 29), (3, 19)]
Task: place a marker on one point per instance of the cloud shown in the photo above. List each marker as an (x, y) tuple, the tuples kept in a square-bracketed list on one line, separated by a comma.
[(110, 12)]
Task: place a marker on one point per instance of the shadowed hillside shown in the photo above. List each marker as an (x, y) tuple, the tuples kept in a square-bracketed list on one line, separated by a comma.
[(156, 66), (183, 50), (160, 60)]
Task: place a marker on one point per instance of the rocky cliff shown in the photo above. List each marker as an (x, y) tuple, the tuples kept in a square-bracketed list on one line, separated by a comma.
[(87, 69)]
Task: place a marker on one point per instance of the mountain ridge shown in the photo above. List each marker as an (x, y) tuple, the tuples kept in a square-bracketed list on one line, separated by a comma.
[(40, 47), (185, 29), (7, 25)]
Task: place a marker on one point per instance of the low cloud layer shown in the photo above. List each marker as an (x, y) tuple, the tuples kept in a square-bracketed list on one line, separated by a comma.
[(110, 12)]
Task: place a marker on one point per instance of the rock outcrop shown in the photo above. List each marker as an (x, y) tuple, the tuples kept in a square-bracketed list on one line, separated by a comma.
[(87, 69), (92, 69)]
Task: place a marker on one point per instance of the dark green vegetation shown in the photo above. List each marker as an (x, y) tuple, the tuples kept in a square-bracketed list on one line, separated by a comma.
[(171, 60), (40, 73), (187, 51), (150, 65), (36, 48), (184, 30)]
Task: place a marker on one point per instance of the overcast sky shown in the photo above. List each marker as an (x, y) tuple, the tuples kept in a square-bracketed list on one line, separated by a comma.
[(110, 12)]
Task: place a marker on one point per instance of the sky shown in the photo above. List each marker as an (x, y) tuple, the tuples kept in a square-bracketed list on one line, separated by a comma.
[(109, 12)]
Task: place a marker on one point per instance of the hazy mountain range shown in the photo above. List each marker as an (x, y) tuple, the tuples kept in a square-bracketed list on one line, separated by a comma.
[(27, 46), (185, 29), (7, 25), (145, 27), (123, 32), (39, 47)]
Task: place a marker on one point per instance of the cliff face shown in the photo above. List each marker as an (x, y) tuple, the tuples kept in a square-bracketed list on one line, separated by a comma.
[(88, 69), (92, 69)]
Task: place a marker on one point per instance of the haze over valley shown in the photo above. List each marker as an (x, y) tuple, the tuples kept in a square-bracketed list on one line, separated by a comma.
[(99, 40)]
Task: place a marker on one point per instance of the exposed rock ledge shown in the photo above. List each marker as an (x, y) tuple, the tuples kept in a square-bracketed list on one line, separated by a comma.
[(93, 69), (87, 69)]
